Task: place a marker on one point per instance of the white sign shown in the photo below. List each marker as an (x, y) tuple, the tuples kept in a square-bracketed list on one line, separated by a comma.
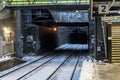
[(103, 9), (107, 18), (109, 22), (98, 48)]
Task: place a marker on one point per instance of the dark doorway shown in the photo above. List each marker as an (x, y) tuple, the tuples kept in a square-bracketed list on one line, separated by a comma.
[(78, 37), (48, 38)]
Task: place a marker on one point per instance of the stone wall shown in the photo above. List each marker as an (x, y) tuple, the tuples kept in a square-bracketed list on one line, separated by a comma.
[(70, 16), (64, 33)]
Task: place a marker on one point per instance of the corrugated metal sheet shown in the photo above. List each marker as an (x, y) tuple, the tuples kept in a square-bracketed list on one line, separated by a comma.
[(115, 44)]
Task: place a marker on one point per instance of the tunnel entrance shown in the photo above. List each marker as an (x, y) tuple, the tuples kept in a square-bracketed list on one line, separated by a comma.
[(48, 38), (78, 37)]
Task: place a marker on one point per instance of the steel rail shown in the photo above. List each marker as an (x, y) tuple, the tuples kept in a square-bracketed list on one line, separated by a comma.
[(75, 68), (59, 67), (36, 68), (43, 65), (23, 66)]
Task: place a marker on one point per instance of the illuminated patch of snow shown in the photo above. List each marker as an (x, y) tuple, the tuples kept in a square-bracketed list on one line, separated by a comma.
[(87, 71), (73, 47)]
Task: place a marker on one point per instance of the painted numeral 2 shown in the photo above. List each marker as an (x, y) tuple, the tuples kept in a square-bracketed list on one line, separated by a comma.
[(103, 8)]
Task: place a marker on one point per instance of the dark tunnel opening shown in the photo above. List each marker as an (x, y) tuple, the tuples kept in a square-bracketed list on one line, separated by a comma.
[(78, 37), (48, 38)]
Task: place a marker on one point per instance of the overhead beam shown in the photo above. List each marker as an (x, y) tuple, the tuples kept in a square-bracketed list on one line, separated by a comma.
[(104, 0), (72, 24), (53, 7)]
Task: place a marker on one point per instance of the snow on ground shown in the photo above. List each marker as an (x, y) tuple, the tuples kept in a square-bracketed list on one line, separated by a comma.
[(73, 47), (5, 58), (17, 74), (100, 71), (78, 68), (47, 70), (87, 71), (29, 59), (65, 72)]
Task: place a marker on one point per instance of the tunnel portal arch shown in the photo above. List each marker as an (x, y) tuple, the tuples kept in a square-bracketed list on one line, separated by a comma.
[(78, 37)]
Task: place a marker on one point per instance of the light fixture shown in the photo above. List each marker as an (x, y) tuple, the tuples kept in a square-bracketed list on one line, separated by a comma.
[(76, 11), (118, 12), (54, 29), (6, 30)]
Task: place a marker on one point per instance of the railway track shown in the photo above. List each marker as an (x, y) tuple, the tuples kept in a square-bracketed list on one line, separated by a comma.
[(23, 71), (70, 70), (66, 70), (48, 69), (4, 73), (57, 67), (17, 73)]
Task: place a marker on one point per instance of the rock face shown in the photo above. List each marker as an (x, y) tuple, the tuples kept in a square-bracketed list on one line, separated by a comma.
[(64, 34), (70, 16)]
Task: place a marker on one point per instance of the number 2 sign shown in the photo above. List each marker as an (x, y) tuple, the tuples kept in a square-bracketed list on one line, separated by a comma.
[(103, 9)]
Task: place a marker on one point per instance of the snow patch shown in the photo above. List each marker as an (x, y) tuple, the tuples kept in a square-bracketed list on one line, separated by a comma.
[(100, 71), (30, 58), (5, 58), (87, 71), (73, 47)]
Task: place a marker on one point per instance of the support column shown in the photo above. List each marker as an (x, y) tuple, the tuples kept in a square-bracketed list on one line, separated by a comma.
[(98, 38), (95, 46), (19, 39), (109, 42)]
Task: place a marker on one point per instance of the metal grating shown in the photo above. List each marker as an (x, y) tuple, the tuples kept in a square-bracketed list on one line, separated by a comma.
[(115, 44), (42, 2)]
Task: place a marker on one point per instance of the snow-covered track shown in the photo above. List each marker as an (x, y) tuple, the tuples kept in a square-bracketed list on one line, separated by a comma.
[(45, 72), (58, 67), (65, 69), (26, 69), (75, 68), (62, 65), (22, 66)]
